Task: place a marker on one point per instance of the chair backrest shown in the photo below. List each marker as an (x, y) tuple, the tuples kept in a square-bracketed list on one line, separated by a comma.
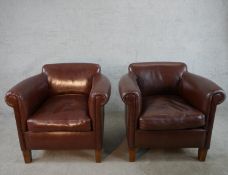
[(70, 78), (156, 78)]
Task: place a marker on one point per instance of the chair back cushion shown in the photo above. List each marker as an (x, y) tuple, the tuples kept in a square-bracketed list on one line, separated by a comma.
[(70, 78), (158, 77)]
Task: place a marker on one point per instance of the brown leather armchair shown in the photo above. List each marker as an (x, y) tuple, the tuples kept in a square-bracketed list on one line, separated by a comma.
[(166, 107), (61, 108)]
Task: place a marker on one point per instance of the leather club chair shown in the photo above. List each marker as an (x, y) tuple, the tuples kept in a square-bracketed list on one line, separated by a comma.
[(61, 108), (168, 107)]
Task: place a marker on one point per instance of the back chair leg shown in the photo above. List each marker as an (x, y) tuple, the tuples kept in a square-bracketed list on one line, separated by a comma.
[(27, 154), (98, 155), (132, 154), (202, 154)]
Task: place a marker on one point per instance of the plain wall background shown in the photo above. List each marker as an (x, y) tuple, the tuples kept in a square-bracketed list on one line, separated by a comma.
[(113, 33)]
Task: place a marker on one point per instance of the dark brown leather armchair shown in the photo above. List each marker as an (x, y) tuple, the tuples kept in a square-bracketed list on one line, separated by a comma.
[(61, 108), (166, 106)]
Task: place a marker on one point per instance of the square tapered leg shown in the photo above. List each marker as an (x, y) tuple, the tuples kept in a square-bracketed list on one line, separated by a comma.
[(27, 154), (202, 154), (132, 154), (98, 155)]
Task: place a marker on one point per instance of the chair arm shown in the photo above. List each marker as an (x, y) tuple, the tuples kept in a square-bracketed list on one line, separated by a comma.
[(27, 95), (128, 86), (101, 87), (201, 92), (101, 90), (98, 97)]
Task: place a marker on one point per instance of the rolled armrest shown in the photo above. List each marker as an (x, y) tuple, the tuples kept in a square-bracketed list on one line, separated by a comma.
[(101, 90), (27, 95), (201, 92), (101, 87), (128, 86)]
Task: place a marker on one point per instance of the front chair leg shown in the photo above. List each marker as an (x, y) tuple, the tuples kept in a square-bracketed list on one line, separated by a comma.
[(202, 154), (132, 154), (98, 155), (27, 154)]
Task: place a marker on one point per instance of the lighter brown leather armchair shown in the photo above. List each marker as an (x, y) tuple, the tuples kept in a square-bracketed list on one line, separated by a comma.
[(61, 108), (166, 107)]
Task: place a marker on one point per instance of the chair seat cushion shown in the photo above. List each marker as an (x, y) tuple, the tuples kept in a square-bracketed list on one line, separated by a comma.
[(61, 113), (169, 113)]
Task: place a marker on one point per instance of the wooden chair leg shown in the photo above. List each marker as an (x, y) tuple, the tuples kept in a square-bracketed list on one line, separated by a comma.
[(27, 154), (98, 155), (202, 154), (132, 154)]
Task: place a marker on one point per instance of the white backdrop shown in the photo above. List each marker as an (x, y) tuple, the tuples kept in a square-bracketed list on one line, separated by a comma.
[(113, 33)]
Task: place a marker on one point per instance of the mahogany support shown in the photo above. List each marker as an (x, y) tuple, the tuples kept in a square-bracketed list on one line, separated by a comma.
[(98, 155), (27, 156), (132, 153), (202, 154)]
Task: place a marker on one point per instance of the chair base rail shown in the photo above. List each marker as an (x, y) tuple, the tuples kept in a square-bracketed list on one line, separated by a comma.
[(59, 140), (170, 139)]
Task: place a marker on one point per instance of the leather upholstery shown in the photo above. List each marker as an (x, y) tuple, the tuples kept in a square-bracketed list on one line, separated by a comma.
[(61, 108), (158, 78), (128, 86), (100, 89), (200, 91), (166, 106), (25, 102), (185, 138), (131, 95), (60, 140), (61, 113), (77, 78), (169, 113)]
